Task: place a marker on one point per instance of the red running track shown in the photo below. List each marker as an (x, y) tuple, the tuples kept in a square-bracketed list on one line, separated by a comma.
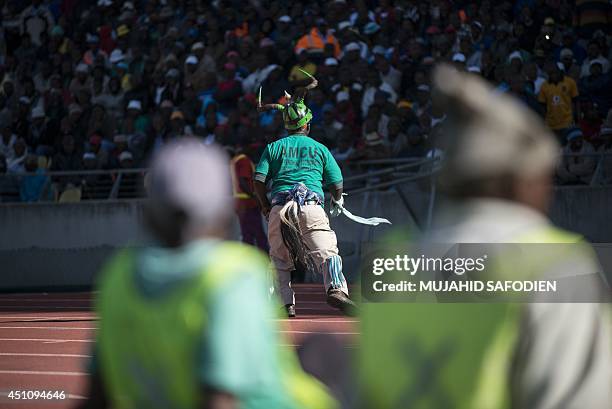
[(45, 340)]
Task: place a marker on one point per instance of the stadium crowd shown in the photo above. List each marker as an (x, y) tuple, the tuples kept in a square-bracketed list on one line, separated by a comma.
[(101, 85)]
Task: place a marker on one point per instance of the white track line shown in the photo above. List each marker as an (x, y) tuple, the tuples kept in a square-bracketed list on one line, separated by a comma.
[(45, 300), (95, 328), (54, 307), (49, 340), (319, 332), (95, 318), (318, 321), (51, 373), (44, 355), (54, 328)]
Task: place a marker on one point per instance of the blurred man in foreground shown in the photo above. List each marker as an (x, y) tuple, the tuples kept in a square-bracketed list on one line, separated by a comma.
[(174, 331), (532, 355)]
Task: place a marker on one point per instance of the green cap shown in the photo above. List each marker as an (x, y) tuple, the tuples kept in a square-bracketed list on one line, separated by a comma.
[(296, 115)]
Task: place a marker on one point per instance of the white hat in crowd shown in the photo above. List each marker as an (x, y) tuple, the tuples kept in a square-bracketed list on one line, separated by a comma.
[(342, 96), (458, 57), (116, 56), (135, 104), (192, 59)]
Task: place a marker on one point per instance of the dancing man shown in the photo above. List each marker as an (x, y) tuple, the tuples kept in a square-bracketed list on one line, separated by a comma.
[(297, 168)]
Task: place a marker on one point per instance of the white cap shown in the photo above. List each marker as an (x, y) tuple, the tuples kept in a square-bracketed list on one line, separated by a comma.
[(515, 54), (91, 155), (171, 183), (342, 96), (134, 104), (474, 68), (566, 52), (343, 24), (116, 56), (423, 88), (197, 46), (352, 47), (192, 59), (284, 19), (125, 155), (379, 50), (82, 67), (331, 61), (492, 134), (458, 57), (38, 112)]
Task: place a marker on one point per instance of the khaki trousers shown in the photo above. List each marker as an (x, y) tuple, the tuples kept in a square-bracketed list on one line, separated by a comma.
[(319, 239)]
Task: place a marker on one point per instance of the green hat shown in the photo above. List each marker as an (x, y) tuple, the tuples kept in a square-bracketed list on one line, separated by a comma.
[(296, 115)]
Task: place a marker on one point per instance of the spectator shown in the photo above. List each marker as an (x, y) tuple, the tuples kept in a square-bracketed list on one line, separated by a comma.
[(374, 147), (388, 74), (374, 84), (344, 149), (68, 158), (8, 183), (229, 88), (605, 148), (88, 72), (112, 98), (7, 139), (579, 165), (520, 90), (37, 21), (81, 81), (598, 86), (570, 65), (328, 129), (559, 96), (34, 187), (315, 40), (594, 55), (17, 162), (590, 123), (40, 134)]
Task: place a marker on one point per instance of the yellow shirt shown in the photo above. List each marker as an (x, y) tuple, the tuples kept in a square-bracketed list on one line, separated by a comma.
[(558, 99)]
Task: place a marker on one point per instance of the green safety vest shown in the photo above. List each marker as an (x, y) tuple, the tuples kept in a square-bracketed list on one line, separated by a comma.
[(453, 355), (147, 355)]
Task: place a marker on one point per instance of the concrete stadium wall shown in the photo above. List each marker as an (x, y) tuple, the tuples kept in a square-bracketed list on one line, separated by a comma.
[(65, 245)]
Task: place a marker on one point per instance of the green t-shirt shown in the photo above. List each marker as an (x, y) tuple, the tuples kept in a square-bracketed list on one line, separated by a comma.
[(245, 366), (298, 158)]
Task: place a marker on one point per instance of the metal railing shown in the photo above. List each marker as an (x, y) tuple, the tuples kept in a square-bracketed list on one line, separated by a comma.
[(67, 186), (72, 186)]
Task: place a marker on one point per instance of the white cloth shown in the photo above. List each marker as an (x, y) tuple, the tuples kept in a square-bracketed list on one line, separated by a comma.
[(318, 237), (585, 70), (393, 77), (370, 92), (6, 149)]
